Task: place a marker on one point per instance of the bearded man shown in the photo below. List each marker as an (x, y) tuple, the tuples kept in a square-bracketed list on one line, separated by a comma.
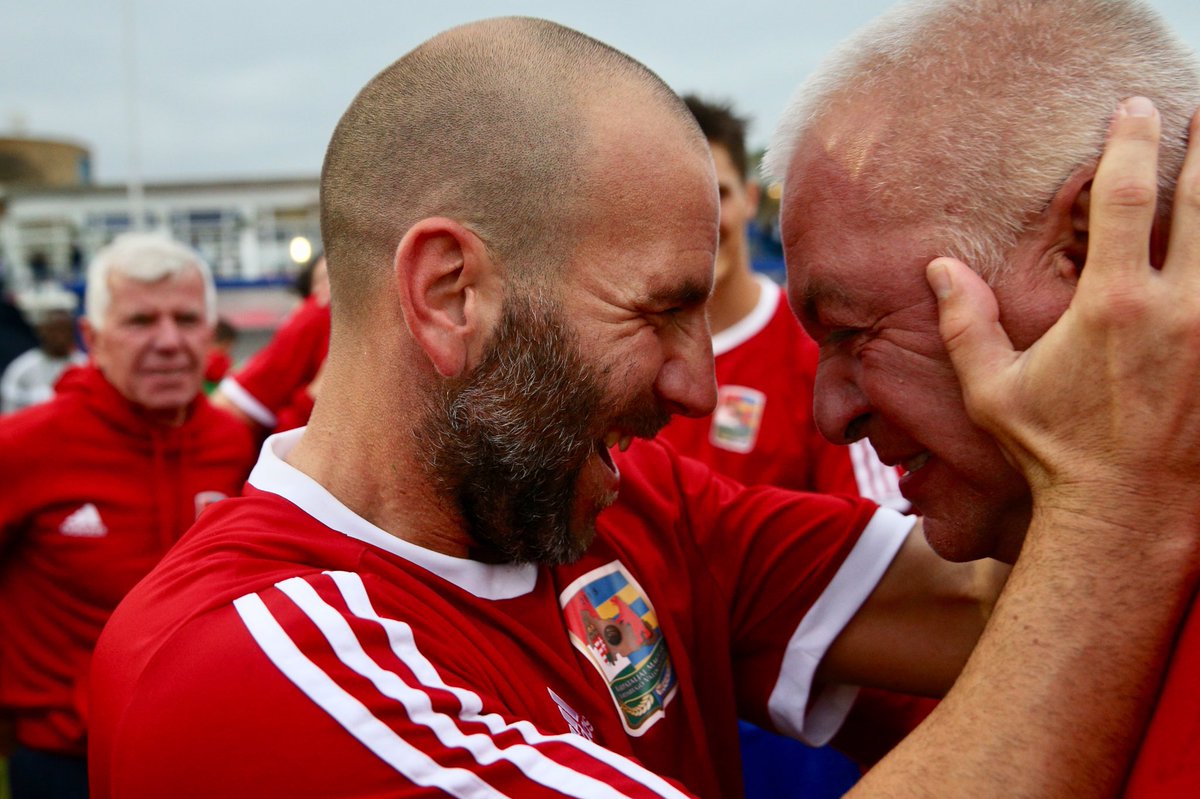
[(436, 588)]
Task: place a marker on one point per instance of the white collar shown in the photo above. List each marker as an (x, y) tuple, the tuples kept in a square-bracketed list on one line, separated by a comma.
[(752, 323), (276, 476)]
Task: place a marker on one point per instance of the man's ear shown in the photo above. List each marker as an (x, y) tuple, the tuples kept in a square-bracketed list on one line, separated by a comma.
[(449, 290), (88, 334), (1076, 195), (1080, 186)]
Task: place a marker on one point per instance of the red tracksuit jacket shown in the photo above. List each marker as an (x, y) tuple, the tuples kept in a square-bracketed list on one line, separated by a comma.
[(91, 497)]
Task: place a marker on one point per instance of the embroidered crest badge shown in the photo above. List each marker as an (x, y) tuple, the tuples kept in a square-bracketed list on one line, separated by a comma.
[(612, 623), (736, 420)]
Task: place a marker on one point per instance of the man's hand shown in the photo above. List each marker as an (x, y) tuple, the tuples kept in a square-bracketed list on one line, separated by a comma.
[(1101, 413)]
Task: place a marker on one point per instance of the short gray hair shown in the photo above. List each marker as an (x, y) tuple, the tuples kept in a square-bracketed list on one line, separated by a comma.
[(997, 103), (145, 257)]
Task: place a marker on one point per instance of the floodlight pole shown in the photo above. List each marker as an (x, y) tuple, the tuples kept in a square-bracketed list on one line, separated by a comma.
[(133, 181)]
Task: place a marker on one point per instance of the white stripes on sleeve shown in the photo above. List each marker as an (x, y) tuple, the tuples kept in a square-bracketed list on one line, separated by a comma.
[(246, 402), (412, 701), (792, 705)]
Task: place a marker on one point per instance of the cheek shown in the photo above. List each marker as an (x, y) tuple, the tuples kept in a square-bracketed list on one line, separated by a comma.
[(111, 351), (908, 384), (198, 342), (632, 369)]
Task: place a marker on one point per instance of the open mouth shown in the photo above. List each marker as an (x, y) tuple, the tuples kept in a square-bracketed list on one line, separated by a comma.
[(914, 464), (612, 438), (619, 440), (606, 457)]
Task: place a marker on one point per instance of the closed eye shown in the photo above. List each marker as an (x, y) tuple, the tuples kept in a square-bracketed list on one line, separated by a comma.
[(842, 335)]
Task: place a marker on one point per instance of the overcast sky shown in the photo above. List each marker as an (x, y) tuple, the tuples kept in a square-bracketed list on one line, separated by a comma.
[(249, 88)]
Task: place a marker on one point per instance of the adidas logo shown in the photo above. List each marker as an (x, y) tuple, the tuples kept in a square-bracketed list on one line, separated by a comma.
[(576, 721), (84, 523)]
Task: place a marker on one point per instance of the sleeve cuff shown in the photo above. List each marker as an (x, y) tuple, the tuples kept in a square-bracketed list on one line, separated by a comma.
[(793, 707), (245, 402)]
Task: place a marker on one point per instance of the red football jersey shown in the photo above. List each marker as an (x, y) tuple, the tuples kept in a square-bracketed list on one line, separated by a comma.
[(762, 431), (1168, 763), (288, 647)]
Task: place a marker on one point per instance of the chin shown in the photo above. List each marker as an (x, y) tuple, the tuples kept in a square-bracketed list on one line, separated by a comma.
[(167, 403), (173, 396), (722, 268), (577, 537), (957, 535), (580, 542), (977, 532)]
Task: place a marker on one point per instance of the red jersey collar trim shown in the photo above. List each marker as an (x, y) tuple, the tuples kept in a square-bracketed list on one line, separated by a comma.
[(752, 323), (274, 475)]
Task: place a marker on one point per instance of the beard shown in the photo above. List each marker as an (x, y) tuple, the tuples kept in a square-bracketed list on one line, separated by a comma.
[(508, 442)]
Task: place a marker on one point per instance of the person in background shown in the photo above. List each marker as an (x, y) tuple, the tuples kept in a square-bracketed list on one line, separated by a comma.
[(762, 430), (16, 337), (99, 483), (30, 378), (275, 389), (762, 433), (974, 129), (220, 358)]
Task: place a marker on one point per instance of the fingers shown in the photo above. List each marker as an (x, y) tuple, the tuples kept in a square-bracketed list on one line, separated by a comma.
[(1183, 249), (1123, 193), (969, 321)]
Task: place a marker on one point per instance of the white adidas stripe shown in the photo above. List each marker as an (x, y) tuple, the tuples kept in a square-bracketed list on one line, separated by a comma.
[(417, 704), (349, 712), (381, 739), (400, 636)]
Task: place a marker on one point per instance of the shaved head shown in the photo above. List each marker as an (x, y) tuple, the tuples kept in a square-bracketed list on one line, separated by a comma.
[(488, 124)]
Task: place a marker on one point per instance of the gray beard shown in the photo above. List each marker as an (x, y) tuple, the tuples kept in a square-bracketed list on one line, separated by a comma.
[(507, 443)]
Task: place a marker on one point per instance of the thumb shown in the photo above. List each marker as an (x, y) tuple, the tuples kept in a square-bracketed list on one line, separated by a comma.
[(969, 321)]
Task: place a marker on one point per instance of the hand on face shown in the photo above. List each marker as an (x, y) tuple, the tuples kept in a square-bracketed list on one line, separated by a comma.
[(1100, 413)]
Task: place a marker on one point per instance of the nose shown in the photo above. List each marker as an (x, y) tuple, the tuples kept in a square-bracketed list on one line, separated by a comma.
[(840, 407), (167, 335), (686, 384)]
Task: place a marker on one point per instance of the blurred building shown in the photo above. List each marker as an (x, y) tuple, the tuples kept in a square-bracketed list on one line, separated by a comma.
[(255, 232), (246, 229), (26, 161)]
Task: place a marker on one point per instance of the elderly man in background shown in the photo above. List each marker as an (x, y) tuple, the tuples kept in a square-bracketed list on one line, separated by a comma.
[(973, 129), (98, 483)]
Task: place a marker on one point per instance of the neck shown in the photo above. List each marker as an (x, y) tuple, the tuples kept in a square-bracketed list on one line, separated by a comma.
[(733, 299), (374, 469), (171, 417)]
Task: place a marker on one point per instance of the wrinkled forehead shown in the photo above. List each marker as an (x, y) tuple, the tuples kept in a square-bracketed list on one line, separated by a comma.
[(841, 269), (846, 259), (635, 139)]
